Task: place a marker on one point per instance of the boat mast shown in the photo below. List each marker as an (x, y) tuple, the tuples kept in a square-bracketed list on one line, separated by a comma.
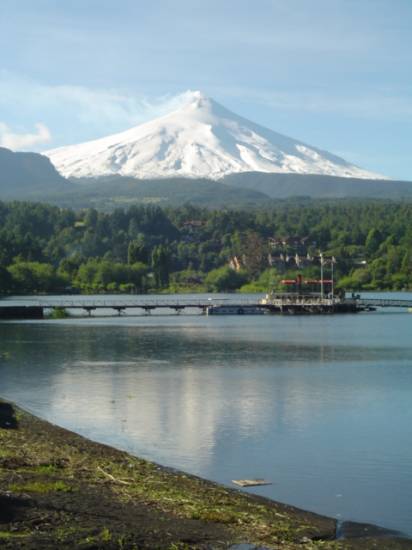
[(321, 275)]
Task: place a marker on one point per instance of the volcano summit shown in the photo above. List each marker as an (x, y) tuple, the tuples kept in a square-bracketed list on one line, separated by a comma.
[(201, 139)]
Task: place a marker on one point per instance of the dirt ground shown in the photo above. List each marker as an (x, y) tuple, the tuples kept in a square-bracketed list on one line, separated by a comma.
[(59, 490)]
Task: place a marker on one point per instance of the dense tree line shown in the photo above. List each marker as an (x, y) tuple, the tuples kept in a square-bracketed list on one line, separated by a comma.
[(146, 248)]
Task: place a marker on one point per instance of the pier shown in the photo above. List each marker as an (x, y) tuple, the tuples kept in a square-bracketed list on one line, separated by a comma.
[(282, 303), (383, 302)]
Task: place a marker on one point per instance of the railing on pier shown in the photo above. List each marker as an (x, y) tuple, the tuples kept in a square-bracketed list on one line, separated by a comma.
[(383, 302), (142, 303), (295, 299), (328, 300)]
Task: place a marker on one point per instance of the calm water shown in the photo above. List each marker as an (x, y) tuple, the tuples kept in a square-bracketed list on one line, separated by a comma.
[(321, 406)]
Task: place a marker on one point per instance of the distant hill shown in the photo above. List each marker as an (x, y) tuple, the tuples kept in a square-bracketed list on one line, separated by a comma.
[(25, 174), (280, 186), (30, 176), (235, 190), (107, 193)]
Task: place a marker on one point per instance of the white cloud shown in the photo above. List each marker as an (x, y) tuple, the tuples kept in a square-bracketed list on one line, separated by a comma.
[(73, 113), (101, 107), (25, 141)]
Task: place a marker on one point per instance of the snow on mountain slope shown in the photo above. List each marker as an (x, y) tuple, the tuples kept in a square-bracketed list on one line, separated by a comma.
[(200, 139)]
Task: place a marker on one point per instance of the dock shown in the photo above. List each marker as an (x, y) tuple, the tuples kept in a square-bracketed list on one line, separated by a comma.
[(282, 303)]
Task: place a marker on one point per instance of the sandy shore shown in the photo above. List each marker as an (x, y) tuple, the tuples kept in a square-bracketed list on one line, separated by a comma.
[(60, 490)]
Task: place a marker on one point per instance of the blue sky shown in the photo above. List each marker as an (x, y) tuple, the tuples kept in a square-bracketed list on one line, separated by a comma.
[(336, 74)]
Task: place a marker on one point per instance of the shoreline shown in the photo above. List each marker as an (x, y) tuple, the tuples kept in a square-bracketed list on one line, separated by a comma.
[(59, 489)]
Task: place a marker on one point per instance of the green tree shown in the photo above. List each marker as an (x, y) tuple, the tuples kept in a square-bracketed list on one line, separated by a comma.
[(6, 281), (138, 250), (225, 278), (373, 241), (35, 277), (161, 266)]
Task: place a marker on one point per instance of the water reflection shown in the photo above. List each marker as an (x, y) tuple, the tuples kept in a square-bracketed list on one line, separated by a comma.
[(319, 406)]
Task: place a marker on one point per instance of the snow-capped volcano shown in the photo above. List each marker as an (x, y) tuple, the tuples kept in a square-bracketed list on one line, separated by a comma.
[(199, 139)]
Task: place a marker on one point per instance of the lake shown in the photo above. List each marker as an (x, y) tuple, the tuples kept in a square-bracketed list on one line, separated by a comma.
[(319, 405)]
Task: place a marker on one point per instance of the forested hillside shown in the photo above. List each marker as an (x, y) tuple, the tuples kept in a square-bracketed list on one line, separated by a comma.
[(48, 249)]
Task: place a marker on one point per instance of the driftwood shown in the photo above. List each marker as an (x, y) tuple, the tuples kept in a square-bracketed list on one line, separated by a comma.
[(112, 478), (251, 482)]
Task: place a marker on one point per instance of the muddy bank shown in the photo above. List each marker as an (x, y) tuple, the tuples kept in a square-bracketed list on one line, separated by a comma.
[(60, 490)]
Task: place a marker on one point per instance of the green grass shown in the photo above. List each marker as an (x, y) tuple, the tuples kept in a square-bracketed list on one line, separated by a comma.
[(46, 469), (12, 535), (41, 487), (59, 313), (105, 535), (6, 453)]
